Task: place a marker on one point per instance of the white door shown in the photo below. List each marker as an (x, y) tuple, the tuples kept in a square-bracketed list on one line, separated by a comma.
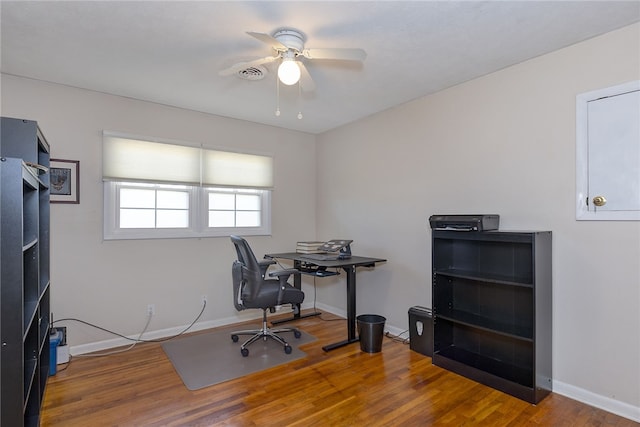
[(611, 154)]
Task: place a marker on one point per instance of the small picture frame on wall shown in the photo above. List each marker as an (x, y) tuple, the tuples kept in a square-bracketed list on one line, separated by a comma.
[(64, 183)]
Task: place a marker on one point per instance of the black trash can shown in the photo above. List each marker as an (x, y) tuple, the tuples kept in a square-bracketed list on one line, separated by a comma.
[(371, 332)]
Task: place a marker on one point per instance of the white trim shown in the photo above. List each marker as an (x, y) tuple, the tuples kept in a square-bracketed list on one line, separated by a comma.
[(584, 396), (164, 333), (602, 402), (330, 309), (341, 313), (582, 155), (154, 335)]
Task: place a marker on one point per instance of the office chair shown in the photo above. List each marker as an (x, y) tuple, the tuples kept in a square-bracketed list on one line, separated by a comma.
[(252, 289)]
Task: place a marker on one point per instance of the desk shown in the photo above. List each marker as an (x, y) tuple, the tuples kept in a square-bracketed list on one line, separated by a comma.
[(349, 265)]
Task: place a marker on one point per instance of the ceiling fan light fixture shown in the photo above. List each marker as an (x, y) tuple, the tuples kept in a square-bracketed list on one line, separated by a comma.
[(289, 71)]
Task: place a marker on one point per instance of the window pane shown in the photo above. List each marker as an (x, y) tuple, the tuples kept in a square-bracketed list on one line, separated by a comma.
[(245, 202), (173, 199), (137, 218), (222, 201), (137, 198), (173, 218), (221, 219), (248, 219)]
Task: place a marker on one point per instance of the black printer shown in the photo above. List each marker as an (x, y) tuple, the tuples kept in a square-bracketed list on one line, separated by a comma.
[(464, 222)]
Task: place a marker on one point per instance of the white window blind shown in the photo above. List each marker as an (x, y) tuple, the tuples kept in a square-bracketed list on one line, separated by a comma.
[(237, 170), (138, 160), (133, 159)]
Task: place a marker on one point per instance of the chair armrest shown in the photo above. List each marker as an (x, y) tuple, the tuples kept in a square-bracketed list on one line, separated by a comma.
[(264, 265), (283, 277), (285, 272)]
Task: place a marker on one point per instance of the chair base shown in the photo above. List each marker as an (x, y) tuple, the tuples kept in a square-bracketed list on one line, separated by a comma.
[(264, 333)]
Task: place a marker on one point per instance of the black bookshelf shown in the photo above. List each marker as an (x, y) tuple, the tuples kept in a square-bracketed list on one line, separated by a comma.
[(492, 308), (24, 271)]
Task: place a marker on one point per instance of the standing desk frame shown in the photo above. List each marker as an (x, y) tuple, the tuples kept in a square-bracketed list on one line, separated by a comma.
[(317, 268)]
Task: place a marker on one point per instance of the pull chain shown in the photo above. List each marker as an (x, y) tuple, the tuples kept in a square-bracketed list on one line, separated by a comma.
[(299, 101), (277, 97)]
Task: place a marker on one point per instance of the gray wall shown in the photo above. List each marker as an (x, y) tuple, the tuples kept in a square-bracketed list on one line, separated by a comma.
[(110, 283), (504, 144)]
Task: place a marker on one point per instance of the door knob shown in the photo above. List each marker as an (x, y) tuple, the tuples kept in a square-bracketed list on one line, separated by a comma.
[(599, 201)]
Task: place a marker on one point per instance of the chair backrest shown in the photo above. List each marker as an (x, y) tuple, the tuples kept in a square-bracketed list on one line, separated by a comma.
[(251, 275), (238, 285)]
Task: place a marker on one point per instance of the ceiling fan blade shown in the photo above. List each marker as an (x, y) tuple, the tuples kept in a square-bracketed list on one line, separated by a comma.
[(266, 38), (244, 65), (306, 82), (344, 54)]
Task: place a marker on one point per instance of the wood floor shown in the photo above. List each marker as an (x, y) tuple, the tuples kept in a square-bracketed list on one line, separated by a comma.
[(345, 387)]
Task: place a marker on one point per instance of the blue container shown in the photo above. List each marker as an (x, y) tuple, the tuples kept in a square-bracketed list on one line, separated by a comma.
[(54, 340)]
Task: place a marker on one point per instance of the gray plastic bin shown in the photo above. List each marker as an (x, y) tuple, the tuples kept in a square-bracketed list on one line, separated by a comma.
[(371, 332)]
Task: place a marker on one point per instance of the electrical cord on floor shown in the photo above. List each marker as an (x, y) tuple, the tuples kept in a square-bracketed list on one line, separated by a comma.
[(135, 340), (109, 353), (66, 365), (398, 338)]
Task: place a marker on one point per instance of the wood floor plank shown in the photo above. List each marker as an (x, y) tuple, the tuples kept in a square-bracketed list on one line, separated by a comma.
[(344, 387)]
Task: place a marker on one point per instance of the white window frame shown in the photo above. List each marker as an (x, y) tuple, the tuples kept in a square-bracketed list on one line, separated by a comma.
[(198, 217)]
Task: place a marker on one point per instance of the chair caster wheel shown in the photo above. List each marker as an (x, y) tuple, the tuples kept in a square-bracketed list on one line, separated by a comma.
[(288, 349), (234, 338), (244, 351), (297, 334)]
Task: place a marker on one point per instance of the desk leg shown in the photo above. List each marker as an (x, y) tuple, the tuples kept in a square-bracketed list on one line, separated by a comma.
[(297, 283), (351, 310)]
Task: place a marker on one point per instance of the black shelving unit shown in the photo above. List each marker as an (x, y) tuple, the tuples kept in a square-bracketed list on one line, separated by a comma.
[(492, 308), (24, 271)]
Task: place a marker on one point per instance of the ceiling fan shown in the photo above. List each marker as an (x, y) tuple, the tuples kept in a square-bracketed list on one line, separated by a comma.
[(288, 45)]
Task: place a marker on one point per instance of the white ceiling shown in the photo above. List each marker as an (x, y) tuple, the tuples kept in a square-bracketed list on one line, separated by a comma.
[(170, 52)]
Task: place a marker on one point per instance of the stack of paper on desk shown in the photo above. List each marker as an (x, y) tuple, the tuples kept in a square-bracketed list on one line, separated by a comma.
[(309, 247)]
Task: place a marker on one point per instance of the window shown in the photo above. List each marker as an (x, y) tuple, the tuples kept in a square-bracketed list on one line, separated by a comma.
[(149, 191)]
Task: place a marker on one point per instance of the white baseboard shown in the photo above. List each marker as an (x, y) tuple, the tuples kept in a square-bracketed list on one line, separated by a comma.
[(154, 335), (387, 327), (602, 402), (329, 309), (164, 333)]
